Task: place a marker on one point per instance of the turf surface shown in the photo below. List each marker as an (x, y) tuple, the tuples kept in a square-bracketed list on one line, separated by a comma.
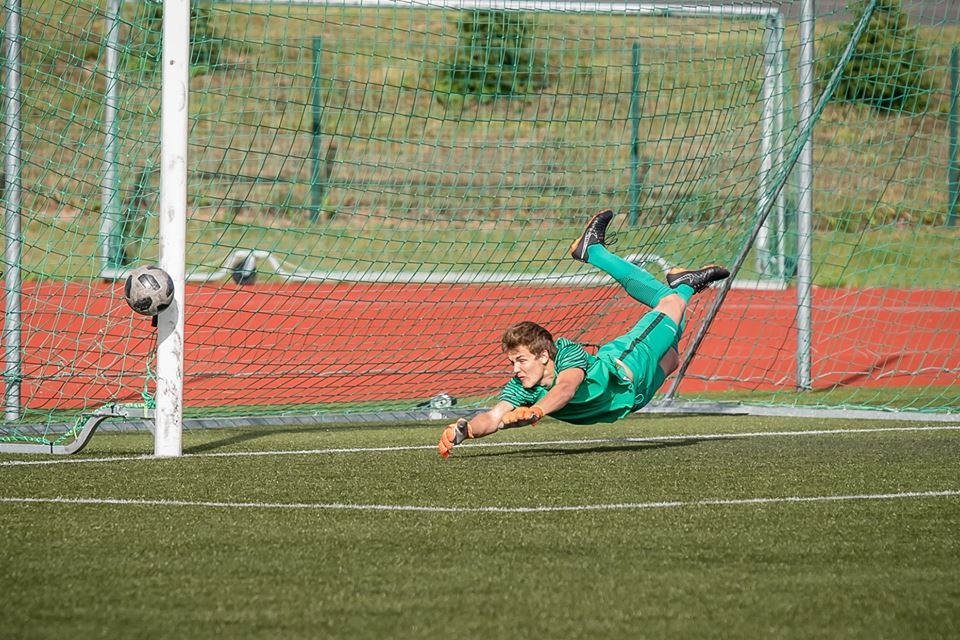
[(656, 527)]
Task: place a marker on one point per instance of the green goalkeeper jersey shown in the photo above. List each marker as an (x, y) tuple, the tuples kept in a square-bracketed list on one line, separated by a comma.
[(605, 395)]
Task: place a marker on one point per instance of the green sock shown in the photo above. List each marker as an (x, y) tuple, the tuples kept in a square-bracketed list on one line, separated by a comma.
[(685, 291), (636, 281)]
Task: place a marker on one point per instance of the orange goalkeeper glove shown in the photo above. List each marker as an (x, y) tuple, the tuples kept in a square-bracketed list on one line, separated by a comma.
[(522, 416), (453, 434)]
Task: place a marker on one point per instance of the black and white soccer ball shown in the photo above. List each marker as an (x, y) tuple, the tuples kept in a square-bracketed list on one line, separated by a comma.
[(148, 290)]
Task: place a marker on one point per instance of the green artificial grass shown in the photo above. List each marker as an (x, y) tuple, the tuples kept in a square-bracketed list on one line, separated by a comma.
[(693, 527)]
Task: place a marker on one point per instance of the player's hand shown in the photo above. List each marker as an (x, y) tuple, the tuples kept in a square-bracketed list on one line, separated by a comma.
[(522, 416), (453, 434)]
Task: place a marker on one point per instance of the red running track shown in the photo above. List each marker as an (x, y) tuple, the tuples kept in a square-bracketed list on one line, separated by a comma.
[(345, 342)]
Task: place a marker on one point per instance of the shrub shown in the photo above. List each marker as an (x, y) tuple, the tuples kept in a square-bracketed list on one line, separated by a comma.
[(888, 70), (494, 56)]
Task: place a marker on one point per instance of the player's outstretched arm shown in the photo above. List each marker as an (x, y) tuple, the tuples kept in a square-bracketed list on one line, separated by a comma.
[(559, 395), (523, 417), (489, 421)]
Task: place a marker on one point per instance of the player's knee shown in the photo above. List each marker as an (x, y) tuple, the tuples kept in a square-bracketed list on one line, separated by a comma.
[(672, 306)]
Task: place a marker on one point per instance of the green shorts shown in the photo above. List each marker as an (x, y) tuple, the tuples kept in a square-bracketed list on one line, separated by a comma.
[(649, 350)]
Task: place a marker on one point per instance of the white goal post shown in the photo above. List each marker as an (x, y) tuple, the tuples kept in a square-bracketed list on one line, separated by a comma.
[(175, 100)]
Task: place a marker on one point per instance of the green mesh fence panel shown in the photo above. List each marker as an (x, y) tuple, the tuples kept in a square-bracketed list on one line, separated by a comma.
[(374, 193)]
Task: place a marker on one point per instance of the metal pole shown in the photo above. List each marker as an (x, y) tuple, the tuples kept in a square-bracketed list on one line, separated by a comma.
[(805, 205), (767, 121), (174, 121), (316, 186), (634, 193), (13, 245), (953, 170), (780, 101), (111, 238)]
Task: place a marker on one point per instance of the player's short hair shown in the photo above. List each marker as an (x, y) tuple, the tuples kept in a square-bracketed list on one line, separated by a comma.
[(530, 335)]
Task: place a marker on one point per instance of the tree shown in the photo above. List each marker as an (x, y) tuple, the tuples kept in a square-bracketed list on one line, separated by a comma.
[(494, 56), (889, 69)]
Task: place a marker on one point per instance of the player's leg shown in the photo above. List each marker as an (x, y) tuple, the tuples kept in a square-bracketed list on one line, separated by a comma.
[(649, 350), (670, 298), (636, 281)]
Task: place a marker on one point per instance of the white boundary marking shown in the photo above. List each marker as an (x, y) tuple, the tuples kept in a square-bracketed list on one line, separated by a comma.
[(339, 506), (627, 506), (529, 443)]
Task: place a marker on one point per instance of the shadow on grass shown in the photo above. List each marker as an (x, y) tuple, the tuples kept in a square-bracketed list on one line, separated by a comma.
[(250, 434), (256, 434), (611, 447)]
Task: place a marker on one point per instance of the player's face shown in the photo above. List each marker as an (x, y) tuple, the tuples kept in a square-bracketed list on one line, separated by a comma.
[(529, 369)]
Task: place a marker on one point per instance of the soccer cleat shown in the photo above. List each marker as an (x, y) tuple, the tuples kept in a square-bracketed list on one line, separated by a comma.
[(696, 279), (594, 234)]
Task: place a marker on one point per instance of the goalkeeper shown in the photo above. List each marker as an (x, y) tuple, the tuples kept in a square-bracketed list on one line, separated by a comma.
[(560, 379)]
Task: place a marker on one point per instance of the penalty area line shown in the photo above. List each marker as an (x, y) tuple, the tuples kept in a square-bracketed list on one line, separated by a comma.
[(340, 506)]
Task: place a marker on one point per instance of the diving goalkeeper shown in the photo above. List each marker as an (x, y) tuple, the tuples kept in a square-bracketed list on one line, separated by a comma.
[(560, 379)]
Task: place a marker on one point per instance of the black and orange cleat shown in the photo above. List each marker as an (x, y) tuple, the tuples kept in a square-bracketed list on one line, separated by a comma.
[(595, 233), (696, 279)]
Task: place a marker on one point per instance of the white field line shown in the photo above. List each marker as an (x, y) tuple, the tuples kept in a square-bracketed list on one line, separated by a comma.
[(629, 506), (487, 444), (339, 506)]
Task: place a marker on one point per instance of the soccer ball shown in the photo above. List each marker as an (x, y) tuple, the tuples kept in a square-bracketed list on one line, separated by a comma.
[(244, 270), (148, 290)]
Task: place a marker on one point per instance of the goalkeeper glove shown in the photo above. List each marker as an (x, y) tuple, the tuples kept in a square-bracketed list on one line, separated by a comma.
[(522, 416), (453, 435)]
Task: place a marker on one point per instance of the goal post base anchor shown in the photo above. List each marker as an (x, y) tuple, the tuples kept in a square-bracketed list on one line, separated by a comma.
[(83, 434)]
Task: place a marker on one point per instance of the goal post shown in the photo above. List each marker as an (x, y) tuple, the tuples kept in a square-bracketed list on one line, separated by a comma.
[(175, 126), (770, 252)]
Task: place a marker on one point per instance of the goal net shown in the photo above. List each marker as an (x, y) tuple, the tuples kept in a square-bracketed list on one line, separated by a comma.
[(375, 191)]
